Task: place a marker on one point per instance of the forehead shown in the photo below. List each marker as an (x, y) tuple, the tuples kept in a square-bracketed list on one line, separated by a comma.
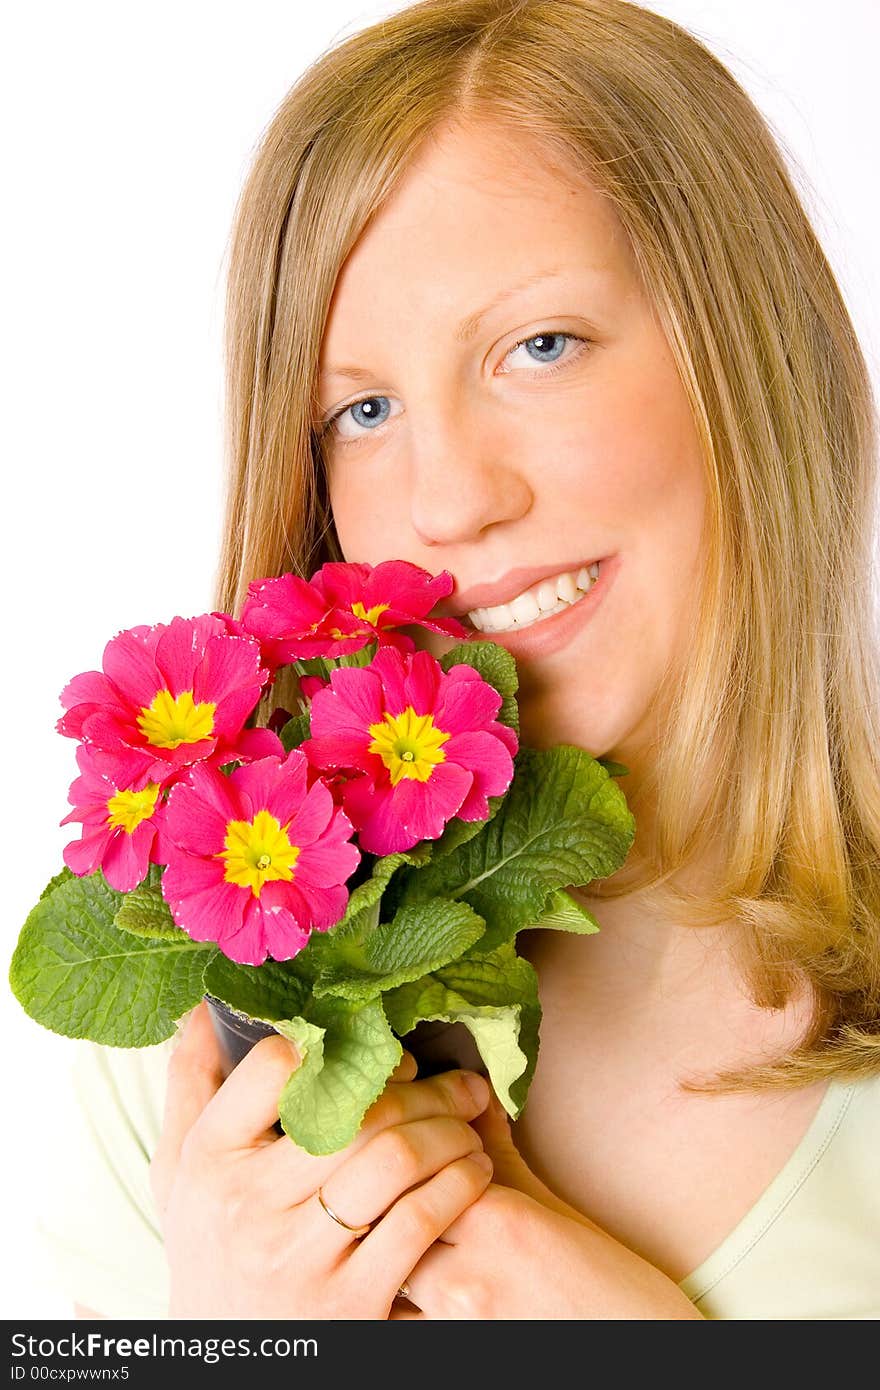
[(479, 208)]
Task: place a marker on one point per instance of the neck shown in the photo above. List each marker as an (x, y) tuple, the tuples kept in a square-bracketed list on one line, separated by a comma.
[(645, 984)]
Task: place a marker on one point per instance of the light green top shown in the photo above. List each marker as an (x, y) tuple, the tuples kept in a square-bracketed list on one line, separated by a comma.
[(809, 1248)]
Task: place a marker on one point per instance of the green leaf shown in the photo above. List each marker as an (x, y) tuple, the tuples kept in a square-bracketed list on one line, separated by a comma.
[(496, 1033), (362, 657), (563, 822), (75, 972), (494, 977), (502, 977), (416, 941), (496, 997), (144, 912), (563, 913), (348, 1052), (63, 877), (323, 666), (458, 832), (271, 991), (295, 731), (613, 769), (497, 667), (494, 1028), (368, 893)]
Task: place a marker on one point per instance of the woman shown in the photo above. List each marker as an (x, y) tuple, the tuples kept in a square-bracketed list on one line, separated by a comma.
[(514, 288)]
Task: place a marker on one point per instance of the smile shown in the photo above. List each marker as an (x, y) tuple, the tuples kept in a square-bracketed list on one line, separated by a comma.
[(542, 600)]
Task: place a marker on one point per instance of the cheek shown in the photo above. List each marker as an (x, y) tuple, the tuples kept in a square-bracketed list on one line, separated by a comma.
[(632, 450), (365, 517)]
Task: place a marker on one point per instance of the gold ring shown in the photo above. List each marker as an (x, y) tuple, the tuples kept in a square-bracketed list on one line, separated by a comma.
[(356, 1231), (404, 1291)]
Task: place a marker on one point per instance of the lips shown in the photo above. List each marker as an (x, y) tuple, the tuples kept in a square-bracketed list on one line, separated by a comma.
[(502, 590)]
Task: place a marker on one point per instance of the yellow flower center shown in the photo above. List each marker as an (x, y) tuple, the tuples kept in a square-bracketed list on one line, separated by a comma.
[(371, 616), (408, 744), (172, 720), (366, 616), (258, 852), (126, 810)]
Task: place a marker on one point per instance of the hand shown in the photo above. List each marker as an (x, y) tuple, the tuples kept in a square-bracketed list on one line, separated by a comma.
[(245, 1233), (521, 1252)]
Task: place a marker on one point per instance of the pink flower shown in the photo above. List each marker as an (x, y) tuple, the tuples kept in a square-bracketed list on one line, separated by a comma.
[(272, 652), (344, 606), (309, 685), (120, 823), (257, 860), (169, 696), (426, 742)]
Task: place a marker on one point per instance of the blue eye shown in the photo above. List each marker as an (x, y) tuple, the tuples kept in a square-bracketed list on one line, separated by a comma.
[(550, 345), (372, 411)]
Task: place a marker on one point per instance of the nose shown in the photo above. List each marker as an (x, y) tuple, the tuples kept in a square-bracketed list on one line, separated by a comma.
[(464, 478)]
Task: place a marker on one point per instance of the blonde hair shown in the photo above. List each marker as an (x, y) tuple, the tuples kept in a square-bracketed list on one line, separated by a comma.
[(769, 757)]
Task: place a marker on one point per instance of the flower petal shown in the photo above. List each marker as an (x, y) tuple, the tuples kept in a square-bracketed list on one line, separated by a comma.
[(281, 932), (129, 662), (422, 683), (380, 830), (467, 705), (127, 857), (180, 647), (341, 749), (353, 701), (310, 817), (486, 756), (326, 863), (84, 856), (425, 807)]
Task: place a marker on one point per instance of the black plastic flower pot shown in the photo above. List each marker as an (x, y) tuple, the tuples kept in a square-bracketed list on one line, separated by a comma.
[(235, 1032), (435, 1046)]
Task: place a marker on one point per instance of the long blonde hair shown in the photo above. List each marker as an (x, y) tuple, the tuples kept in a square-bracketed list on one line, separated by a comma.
[(771, 749)]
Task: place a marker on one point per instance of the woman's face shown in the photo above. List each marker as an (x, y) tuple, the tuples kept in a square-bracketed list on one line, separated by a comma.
[(480, 435)]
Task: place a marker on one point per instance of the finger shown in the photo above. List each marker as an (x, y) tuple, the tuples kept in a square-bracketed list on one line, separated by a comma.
[(429, 1282), (406, 1070), (242, 1113), (510, 1168), (393, 1162), (459, 1094), (464, 1094), (195, 1074), (399, 1240)]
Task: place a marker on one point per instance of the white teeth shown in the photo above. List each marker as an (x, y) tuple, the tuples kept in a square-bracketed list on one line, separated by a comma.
[(567, 587), (546, 594), (524, 607), (541, 601)]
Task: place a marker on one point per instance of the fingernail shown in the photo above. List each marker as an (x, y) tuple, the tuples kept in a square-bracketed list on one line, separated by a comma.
[(477, 1086), (482, 1160)]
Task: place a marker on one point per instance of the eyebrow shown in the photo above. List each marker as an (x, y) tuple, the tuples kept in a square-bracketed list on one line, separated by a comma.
[(467, 328)]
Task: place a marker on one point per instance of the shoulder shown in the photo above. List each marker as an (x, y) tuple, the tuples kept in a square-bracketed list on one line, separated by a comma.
[(99, 1228), (121, 1091)]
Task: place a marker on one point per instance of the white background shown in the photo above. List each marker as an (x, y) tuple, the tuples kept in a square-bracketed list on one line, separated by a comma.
[(128, 130)]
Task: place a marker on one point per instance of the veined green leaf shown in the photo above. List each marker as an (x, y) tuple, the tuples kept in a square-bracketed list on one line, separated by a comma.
[(76, 972), (271, 991), (144, 912), (295, 731), (496, 997), (348, 1052), (417, 940), (564, 822)]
